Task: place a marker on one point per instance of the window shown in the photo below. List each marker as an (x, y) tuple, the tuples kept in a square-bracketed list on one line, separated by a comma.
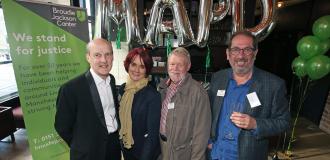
[(4, 47), (8, 87)]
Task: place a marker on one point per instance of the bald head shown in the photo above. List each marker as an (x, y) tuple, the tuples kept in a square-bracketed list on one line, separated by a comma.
[(100, 56), (96, 42)]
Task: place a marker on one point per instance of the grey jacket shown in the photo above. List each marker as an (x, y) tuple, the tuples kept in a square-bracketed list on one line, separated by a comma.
[(272, 116), (188, 124)]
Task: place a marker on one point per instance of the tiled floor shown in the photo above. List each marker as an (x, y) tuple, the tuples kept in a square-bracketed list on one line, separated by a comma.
[(19, 150), (311, 144)]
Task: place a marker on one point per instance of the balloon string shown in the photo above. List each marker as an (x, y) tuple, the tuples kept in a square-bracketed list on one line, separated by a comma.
[(302, 96), (207, 61), (118, 38), (290, 105), (168, 45)]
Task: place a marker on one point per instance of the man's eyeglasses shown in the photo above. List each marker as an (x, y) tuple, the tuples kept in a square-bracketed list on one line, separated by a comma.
[(246, 51)]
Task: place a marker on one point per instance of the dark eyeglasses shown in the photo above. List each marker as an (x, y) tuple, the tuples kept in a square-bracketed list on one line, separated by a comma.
[(246, 51)]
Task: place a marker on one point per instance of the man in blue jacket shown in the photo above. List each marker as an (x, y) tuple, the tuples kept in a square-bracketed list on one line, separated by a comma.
[(248, 104)]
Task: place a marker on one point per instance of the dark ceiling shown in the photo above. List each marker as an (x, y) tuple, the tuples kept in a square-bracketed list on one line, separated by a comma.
[(301, 14)]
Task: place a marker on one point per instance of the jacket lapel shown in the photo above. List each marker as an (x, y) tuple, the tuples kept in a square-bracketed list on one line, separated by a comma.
[(222, 85), (256, 86), (115, 96), (95, 97), (138, 103)]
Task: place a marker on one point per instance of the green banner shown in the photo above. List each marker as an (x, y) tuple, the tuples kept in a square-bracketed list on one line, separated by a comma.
[(47, 46)]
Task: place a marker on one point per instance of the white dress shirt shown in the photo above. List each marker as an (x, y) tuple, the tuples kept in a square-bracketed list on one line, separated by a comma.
[(106, 96)]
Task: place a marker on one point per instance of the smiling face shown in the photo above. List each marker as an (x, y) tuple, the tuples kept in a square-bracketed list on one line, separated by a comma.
[(178, 66), (137, 69), (100, 57), (240, 56)]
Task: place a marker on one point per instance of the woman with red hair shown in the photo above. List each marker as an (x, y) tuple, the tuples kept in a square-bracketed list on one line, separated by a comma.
[(139, 110)]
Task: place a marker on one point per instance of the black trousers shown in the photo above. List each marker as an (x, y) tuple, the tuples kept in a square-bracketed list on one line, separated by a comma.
[(113, 151)]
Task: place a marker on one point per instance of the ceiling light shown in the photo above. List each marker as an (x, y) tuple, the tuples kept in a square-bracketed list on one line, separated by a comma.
[(280, 4)]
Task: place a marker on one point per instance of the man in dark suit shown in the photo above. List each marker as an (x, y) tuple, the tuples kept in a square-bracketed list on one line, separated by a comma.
[(248, 104), (87, 108)]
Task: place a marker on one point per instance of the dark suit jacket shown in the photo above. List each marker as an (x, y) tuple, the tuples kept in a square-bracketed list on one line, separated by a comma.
[(272, 116), (80, 119), (145, 123)]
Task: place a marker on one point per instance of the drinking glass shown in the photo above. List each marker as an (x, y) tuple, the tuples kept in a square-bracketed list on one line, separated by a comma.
[(228, 129)]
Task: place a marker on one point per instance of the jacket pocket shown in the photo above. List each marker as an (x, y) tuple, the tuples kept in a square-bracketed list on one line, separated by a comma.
[(182, 151)]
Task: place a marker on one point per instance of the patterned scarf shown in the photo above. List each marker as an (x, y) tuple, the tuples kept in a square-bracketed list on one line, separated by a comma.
[(125, 109)]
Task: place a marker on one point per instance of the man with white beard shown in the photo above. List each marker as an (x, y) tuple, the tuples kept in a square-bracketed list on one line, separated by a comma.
[(185, 116)]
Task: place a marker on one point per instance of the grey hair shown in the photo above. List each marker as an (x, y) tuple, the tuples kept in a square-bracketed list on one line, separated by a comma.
[(88, 46), (180, 51)]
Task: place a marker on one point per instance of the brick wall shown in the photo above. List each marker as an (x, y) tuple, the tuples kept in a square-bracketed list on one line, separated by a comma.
[(325, 120)]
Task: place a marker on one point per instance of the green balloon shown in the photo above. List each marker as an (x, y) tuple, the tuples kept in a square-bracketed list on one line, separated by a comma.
[(308, 47), (325, 46), (317, 67), (321, 27), (327, 66), (298, 67)]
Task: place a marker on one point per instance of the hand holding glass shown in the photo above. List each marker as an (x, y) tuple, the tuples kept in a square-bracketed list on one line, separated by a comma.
[(229, 131)]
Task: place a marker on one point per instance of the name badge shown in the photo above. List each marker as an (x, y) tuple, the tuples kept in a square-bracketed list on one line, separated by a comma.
[(170, 105), (253, 99), (221, 93)]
